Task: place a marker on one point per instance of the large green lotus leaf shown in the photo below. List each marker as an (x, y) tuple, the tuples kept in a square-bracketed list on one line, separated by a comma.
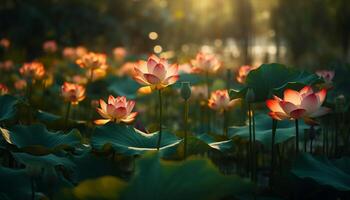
[(36, 139), (323, 171), (274, 78), (44, 161), (129, 141), (7, 107), (195, 178), (124, 87), (218, 145), (14, 184), (91, 166), (46, 116), (263, 130)]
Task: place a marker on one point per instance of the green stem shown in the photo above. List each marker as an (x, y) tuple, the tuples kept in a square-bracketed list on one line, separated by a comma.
[(254, 146), (67, 115), (208, 97), (185, 127), (296, 137), (250, 138), (160, 119), (91, 75), (32, 185), (224, 128), (336, 133), (311, 146), (274, 127)]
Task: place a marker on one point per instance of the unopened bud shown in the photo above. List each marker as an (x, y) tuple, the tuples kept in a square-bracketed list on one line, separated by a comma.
[(250, 95), (185, 90)]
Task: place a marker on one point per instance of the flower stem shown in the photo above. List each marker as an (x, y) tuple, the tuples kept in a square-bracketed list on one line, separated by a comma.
[(274, 127), (208, 97), (296, 137), (67, 115), (224, 128), (185, 127), (254, 146), (32, 184), (160, 119), (91, 75), (250, 139)]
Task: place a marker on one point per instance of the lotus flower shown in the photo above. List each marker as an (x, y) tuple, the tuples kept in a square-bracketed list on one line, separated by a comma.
[(205, 62), (126, 69), (20, 84), (7, 65), (117, 110), (304, 104), (220, 101), (33, 70), (243, 72), (327, 75), (156, 73), (50, 46), (119, 53), (3, 89), (93, 61), (72, 92), (5, 43)]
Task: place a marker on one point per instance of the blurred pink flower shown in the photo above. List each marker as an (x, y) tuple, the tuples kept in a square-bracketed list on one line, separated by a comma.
[(7, 65), (327, 75), (33, 70), (127, 69), (304, 104), (156, 73), (3, 89), (78, 79), (185, 68), (5, 43), (69, 53), (92, 61), (72, 92), (50, 46), (205, 63), (20, 84), (116, 110), (119, 53), (220, 101), (243, 72)]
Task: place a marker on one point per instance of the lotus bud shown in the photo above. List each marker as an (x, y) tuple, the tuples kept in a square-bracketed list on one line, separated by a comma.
[(250, 95), (185, 90)]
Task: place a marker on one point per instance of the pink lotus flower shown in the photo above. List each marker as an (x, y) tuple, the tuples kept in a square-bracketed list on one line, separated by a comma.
[(5, 43), (205, 62), (93, 61), (20, 84), (156, 73), (243, 72), (117, 110), (7, 65), (327, 75), (33, 70), (127, 69), (3, 89), (119, 53), (304, 104), (50, 46), (73, 93), (220, 101)]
